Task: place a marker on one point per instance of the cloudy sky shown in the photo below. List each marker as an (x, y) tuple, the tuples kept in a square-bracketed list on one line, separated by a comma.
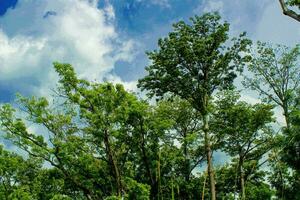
[(107, 39)]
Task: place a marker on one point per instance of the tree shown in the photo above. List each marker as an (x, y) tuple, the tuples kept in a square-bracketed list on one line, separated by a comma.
[(192, 63), (276, 75), (182, 143), (287, 8), (291, 148), (283, 179), (147, 129), (16, 174), (84, 137), (256, 187), (245, 131)]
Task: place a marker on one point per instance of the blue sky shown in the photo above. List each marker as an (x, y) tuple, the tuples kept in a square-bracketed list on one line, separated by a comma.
[(107, 40)]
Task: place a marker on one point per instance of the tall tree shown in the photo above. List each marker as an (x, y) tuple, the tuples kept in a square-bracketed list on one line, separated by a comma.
[(245, 131), (183, 142), (276, 75), (192, 63), (147, 129), (105, 108), (83, 135), (257, 188)]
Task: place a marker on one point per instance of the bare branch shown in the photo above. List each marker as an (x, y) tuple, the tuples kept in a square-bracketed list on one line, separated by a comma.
[(289, 12)]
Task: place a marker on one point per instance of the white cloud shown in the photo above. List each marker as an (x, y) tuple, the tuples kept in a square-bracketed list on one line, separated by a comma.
[(75, 31), (128, 85), (250, 99), (162, 3), (18, 55), (214, 5)]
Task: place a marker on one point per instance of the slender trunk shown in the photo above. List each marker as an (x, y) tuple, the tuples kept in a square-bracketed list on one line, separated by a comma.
[(146, 160), (113, 163), (146, 163), (242, 179), (204, 183), (286, 116), (209, 157), (158, 177), (243, 186), (153, 182), (173, 198), (282, 183), (187, 160)]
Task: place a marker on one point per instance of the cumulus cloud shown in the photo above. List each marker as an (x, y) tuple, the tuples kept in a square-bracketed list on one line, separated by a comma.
[(71, 31), (213, 5), (19, 55), (162, 3)]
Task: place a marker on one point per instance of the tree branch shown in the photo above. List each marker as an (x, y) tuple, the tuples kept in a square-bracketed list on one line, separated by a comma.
[(289, 12)]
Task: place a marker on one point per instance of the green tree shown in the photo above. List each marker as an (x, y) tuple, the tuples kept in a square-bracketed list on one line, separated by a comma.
[(256, 186), (192, 63), (181, 145), (245, 131), (291, 149), (275, 75), (84, 136), (147, 128), (285, 181)]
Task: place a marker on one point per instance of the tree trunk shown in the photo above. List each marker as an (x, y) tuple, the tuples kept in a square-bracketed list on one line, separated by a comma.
[(187, 159), (242, 179), (145, 157), (286, 116), (159, 177), (145, 160), (113, 163), (209, 157), (243, 186)]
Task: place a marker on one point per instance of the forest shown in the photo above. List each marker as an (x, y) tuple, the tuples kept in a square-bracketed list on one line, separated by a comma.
[(96, 140)]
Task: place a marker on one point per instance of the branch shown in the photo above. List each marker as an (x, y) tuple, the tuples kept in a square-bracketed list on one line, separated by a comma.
[(288, 12)]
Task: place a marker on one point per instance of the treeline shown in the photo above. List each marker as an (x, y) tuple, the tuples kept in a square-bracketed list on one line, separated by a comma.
[(97, 141)]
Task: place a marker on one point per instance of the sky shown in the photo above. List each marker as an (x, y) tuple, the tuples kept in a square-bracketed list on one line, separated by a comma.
[(107, 39)]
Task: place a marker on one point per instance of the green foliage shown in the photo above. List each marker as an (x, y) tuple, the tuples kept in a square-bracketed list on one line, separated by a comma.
[(275, 75), (20, 193), (243, 127), (113, 198), (260, 191), (136, 190), (60, 197), (291, 143), (193, 60), (294, 3)]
